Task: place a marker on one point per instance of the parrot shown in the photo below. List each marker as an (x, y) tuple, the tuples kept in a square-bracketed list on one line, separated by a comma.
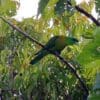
[(55, 44)]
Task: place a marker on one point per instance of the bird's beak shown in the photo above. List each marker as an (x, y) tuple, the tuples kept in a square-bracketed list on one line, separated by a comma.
[(77, 42)]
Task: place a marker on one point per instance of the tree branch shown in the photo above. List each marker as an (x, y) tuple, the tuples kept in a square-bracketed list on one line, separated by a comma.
[(81, 10), (70, 66)]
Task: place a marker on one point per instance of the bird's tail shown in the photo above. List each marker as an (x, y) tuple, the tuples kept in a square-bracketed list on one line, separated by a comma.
[(37, 58)]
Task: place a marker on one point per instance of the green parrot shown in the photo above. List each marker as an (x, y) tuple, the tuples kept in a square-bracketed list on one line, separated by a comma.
[(55, 44)]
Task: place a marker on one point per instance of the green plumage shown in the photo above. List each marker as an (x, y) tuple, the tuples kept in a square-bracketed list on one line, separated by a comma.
[(55, 44)]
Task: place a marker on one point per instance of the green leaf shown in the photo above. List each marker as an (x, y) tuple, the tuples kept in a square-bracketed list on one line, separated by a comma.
[(42, 6), (91, 51), (60, 7)]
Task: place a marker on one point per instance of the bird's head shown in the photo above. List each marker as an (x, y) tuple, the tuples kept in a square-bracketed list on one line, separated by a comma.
[(71, 41)]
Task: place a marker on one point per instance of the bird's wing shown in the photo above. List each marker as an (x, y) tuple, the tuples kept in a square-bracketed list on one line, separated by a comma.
[(50, 44)]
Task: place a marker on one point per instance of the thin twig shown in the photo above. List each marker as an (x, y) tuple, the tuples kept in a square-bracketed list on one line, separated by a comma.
[(70, 66), (81, 10)]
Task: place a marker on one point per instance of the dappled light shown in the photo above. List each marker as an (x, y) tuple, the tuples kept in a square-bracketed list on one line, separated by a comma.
[(49, 50)]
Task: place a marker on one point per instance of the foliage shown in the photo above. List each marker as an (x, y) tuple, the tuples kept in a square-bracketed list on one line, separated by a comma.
[(95, 95), (98, 6), (49, 79), (7, 7)]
